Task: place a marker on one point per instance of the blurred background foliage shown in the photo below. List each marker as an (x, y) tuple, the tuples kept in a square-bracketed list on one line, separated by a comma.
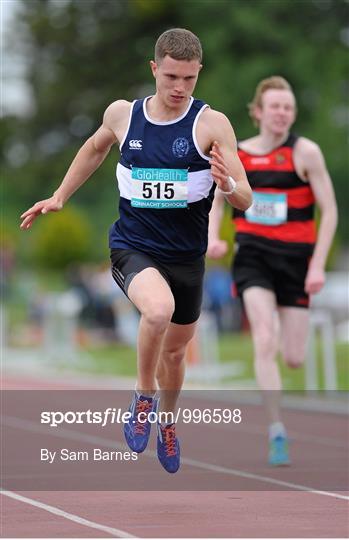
[(63, 241), (81, 55)]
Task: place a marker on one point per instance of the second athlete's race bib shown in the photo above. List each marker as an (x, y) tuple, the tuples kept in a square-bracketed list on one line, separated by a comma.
[(268, 208), (159, 188)]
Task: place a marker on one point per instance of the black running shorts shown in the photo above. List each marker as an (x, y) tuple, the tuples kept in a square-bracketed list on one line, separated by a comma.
[(185, 280), (283, 274)]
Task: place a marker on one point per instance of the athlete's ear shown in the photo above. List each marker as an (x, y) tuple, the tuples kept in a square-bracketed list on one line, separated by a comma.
[(257, 112), (153, 67), (200, 67)]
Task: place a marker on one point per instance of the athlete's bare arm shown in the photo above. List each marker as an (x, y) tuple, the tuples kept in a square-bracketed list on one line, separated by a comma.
[(224, 162), (310, 163), (90, 156)]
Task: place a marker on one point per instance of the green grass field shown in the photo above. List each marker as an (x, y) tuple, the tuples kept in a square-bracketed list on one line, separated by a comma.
[(121, 360), (118, 359)]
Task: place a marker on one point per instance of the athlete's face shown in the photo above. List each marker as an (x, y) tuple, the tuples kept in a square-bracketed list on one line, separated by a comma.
[(175, 80), (278, 111)]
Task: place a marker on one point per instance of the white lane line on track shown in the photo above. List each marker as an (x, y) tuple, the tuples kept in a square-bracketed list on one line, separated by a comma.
[(109, 443), (251, 476), (118, 533)]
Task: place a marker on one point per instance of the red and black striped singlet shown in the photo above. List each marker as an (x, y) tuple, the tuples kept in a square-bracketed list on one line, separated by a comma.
[(281, 218)]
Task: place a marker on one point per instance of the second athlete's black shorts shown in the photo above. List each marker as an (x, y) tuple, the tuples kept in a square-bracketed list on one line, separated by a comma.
[(283, 274), (185, 280)]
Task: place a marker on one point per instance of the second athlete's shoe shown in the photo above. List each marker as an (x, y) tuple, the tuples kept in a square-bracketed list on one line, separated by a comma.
[(279, 451), (168, 448), (137, 428)]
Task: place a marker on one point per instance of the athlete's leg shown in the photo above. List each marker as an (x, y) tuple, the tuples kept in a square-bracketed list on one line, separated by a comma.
[(186, 285), (293, 304), (152, 295), (294, 323), (170, 374), (171, 368), (260, 305)]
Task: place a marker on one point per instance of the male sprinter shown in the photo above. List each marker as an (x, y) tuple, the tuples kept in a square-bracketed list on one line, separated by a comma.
[(174, 151), (278, 262)]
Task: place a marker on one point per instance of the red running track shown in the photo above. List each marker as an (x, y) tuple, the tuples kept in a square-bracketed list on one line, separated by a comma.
[(258, 512)]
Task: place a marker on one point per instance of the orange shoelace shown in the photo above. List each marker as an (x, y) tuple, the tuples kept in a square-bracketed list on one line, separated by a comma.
[(142, 407), (170, 440)]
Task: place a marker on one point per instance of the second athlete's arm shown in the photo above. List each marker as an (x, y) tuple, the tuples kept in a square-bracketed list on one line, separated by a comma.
[(316, 173)]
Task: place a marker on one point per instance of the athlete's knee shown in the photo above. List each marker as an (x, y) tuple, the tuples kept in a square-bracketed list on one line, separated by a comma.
[(174, 357), (159, 315), (294, 357), (264, 341)]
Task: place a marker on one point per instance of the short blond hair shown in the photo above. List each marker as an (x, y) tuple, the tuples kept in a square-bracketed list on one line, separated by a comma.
[(179, 44), (271, 83)]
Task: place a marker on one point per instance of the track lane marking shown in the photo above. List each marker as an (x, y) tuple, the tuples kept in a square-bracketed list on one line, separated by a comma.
[(109, 443), (118, 533)]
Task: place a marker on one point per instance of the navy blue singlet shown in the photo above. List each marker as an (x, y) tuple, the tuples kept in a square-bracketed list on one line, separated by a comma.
[(166, 187)]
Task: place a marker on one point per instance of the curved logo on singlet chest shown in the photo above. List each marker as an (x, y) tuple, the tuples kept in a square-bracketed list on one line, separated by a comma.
[(180, 147)]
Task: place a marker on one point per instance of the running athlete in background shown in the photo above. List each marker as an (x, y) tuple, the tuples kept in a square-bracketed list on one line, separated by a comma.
[(174, 151), (278, 262)]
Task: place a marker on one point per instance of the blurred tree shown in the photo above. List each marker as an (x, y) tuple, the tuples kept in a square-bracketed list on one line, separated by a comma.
[(65, 239), (83, 54)]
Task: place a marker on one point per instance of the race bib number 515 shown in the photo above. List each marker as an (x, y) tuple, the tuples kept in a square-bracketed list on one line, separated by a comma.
[(159, 188)]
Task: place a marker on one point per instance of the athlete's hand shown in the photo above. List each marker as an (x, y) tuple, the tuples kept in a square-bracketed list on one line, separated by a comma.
[(219, 169), (42, 207), (217, 249), (314, 280)]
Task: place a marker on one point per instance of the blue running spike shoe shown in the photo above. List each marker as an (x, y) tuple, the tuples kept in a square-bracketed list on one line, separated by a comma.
[(278, 451), (137, 429), (168, 448)]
